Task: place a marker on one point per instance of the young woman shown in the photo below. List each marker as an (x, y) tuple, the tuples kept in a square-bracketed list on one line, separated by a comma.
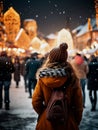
[(54, 74)]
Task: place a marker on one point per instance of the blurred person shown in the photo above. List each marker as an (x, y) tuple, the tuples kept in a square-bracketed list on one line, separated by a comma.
[(17, 71), (92, 84), (80, 66), (6, 70), (24, 74), (54, 73), (32, 65)]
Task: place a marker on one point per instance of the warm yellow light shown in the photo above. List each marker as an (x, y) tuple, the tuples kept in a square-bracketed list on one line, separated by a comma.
[(65, 36)]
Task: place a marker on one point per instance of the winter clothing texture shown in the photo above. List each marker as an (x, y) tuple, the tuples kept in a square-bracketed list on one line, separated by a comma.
[(49, 79), (92, 76), (58, 54), (6, 68), (92, 82), (17, 72), (54, 75), (32, 66), (80, 66)]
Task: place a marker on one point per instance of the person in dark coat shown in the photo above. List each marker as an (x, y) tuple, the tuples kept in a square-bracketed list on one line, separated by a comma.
[(24, 74), (92, 84), (54, 73), (31, 66), (17, 71), (6, 70)]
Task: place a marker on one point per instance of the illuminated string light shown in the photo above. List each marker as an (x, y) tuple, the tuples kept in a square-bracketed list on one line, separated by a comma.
[(96, 8)]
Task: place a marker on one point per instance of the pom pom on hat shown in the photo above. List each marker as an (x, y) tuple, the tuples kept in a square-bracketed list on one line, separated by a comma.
[(63, 47), (59, 54)]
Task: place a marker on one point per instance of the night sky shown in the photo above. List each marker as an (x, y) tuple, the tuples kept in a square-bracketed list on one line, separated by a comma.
[(53, 15)]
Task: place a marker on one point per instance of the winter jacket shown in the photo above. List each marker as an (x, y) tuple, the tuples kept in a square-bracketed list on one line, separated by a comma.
[(92, 76), (54, 78), (32, 66), (80, 67), (6, 68), (17, 71)]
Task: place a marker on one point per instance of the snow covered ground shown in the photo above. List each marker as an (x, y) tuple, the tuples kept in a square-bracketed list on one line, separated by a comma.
[(21, 115)]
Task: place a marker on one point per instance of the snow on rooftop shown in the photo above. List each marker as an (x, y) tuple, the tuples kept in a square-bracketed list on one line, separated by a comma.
[(84, 28), (20, 32), (29, 20), (51, 36), (77, 29)]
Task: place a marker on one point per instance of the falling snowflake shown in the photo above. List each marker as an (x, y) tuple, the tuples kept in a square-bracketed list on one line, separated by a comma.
[(28, 1), (52, 12), (55, 5), (36, 16), (49, 1), (45, 17), (63, 12), (80, 17)]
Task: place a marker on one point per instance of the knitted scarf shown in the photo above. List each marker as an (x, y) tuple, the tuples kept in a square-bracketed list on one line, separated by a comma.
[(52, 72)]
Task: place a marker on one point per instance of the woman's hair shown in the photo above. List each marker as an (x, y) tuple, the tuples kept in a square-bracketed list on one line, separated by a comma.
[(66, 65)]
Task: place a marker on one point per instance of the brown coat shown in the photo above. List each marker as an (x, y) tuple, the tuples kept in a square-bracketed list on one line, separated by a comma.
[(41, 96)]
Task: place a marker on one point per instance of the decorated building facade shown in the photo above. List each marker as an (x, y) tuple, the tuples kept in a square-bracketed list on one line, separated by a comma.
[(12, 24)]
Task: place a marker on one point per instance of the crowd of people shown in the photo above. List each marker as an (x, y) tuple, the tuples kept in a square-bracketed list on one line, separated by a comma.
[(44, 74), (14, 68)]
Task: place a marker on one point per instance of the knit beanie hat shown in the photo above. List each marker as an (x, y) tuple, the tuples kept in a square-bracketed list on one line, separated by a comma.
[(59, 54)]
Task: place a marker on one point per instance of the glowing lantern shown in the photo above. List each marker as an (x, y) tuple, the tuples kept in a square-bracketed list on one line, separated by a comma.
[(96, 8)]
